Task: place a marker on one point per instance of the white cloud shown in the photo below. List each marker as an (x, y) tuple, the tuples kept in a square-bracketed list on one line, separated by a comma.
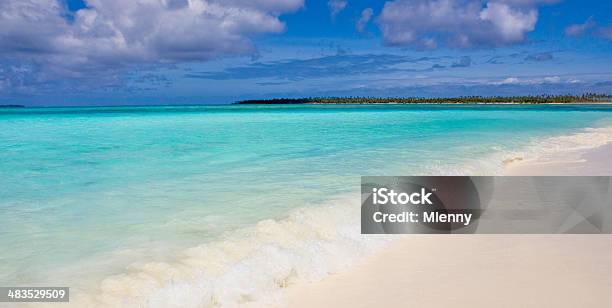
[(336, 6), (510, 24), (528, 2), (117, 32), (580, 29), (590, 27), (533, 80), (510, 80), (458, 23), (366, 15), (552, 79)]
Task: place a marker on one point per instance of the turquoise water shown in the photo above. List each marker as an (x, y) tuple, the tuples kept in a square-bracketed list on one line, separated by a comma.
[(85, 192)]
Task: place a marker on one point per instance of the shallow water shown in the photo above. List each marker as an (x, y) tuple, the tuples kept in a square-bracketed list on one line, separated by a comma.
[(85, 192)]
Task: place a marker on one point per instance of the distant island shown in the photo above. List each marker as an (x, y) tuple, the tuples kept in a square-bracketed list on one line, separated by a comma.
[(12, 106), (535, 99)]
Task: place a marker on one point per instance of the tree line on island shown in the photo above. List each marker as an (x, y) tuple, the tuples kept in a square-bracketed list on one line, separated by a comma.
[(528, 99), (12, 106)]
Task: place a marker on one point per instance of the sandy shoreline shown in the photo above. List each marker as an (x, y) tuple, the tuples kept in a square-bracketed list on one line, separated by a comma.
[(597, 161), (481, 270), (473, 271)]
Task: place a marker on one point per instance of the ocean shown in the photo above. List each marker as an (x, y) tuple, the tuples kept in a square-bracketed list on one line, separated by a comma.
[(221, 205)]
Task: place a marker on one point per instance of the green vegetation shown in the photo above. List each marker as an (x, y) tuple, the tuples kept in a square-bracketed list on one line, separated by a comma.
[(540, 99), (12, 106)]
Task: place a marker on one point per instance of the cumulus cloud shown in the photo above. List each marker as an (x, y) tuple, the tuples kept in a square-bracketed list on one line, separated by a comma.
[(336, 6), (116, 32), (580, 29), (366, 15), (458, 23)]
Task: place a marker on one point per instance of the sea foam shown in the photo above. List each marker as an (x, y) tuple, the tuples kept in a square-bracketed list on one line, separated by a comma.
[(251, 266)]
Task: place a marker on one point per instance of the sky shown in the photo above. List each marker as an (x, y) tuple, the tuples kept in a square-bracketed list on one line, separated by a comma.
[(133, 52)]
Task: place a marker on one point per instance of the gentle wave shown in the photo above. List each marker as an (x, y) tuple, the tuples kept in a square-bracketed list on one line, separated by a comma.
[(250, 267), (253, 266)]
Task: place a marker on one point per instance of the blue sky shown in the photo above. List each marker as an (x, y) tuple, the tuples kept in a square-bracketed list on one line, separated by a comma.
[(122, 52)]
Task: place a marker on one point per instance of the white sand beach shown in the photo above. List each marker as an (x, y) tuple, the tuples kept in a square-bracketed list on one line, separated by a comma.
[(473, 271), (597, 161), (481, 270)]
